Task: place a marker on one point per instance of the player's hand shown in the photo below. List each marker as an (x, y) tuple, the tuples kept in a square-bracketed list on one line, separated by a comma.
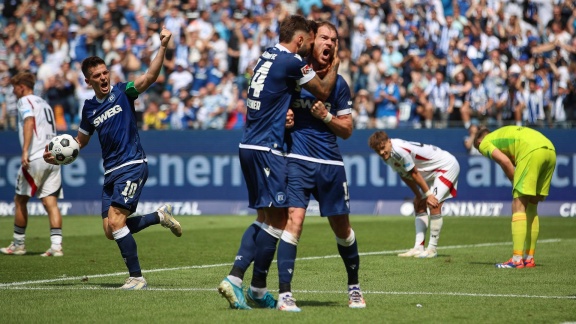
[(335, 58), (431, 201), (318, 110), (419, 204), (48, 158), (165, 35), (289, 119), (25, 161)]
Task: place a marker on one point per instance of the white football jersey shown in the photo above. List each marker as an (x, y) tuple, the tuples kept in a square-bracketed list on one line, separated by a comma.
[(44, 123), (428, 159)]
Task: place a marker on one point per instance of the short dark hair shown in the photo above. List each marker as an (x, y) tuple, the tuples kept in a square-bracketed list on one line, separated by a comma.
[(482, 131), (291, 25), (26, 79), (89, 63), (377, 138)]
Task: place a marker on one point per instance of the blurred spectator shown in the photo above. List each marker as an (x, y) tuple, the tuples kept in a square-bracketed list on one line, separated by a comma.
[(153, 117), (386, 102), (478, 104), (564, 107), (533, 113), (180, 78), (469, 140), (439, 102), (508, 106), (458, 91), (212, 114), (236, 115), (8, 101), (176, 117), (363, 110)]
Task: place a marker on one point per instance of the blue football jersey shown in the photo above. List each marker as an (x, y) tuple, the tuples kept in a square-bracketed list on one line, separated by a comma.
[(272, 87), (310, 136), (113, 118)]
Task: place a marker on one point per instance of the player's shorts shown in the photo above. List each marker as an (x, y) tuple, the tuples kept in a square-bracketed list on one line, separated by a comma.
[(533, 173), (265, 176), (40, 179), (326, 182), (445, 184), (122, 187)]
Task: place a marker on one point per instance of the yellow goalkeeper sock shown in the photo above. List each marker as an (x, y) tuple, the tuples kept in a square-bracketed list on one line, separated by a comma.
[(518, 233), (532, 229)]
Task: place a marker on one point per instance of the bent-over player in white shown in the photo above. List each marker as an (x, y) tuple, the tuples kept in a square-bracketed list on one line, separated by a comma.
[(431, 173)]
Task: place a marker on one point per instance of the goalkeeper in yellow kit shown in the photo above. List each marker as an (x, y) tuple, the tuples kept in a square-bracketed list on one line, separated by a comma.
[(528, 159)]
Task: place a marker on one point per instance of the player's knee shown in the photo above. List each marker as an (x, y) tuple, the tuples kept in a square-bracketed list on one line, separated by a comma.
[(346, 240), (108, 235)]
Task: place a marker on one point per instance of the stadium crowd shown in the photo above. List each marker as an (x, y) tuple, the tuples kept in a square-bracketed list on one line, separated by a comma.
[(413, 63)]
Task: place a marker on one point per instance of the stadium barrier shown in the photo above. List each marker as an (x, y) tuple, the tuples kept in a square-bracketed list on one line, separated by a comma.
[(199, 173)]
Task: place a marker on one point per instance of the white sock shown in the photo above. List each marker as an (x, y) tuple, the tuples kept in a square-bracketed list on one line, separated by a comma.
[(435, 228), (258, 292), (235, 280), (56, 239), (421, 224), (19, 239), (283, 295)]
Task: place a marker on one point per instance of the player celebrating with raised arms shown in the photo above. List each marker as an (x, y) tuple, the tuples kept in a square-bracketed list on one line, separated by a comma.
[(432, 175), (528, 159), (111, 114), (277, 74)]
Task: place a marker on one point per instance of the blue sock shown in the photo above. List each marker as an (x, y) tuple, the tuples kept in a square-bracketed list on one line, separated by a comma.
[(138, 223), (286, 260), (246, 252), (265, 249), (351, 260), (129, 251)]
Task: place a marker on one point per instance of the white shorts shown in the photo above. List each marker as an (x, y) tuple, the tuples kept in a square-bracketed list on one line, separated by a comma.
[(40, 179), (445, 183)]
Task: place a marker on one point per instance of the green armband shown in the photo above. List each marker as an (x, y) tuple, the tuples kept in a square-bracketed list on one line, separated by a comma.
[(131, 90)]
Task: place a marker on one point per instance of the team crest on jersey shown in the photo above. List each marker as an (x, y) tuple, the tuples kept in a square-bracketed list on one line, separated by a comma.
[(280, 197), (112, 97), (306, 69)]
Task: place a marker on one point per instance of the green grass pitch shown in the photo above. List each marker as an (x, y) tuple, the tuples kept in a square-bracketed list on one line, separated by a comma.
[(461, 285)]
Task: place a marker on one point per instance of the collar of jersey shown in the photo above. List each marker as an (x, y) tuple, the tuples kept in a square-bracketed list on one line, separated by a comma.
[(109, 92), (282, 48)]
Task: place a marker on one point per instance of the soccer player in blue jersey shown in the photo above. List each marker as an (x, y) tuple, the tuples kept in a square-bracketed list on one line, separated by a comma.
[(277, 74), (316, 167), (111, 113)]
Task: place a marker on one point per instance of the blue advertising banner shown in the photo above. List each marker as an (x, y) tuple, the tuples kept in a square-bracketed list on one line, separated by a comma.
[(200, 172)]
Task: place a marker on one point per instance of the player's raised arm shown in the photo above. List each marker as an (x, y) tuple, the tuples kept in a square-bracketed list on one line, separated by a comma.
[(144, 81)]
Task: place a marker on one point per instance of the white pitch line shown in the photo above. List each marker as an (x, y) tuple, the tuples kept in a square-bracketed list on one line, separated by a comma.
[(366, 292), (117, 274)]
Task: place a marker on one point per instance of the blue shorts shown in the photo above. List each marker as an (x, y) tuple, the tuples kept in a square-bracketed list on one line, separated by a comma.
[(265, 176), (326, 182), (122, 187)]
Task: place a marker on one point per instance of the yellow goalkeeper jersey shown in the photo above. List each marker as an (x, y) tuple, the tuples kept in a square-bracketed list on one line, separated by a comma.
[(514, 141)]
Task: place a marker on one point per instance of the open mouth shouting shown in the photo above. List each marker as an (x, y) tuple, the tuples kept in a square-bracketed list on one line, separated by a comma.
[(104, 87), (325, 56)]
